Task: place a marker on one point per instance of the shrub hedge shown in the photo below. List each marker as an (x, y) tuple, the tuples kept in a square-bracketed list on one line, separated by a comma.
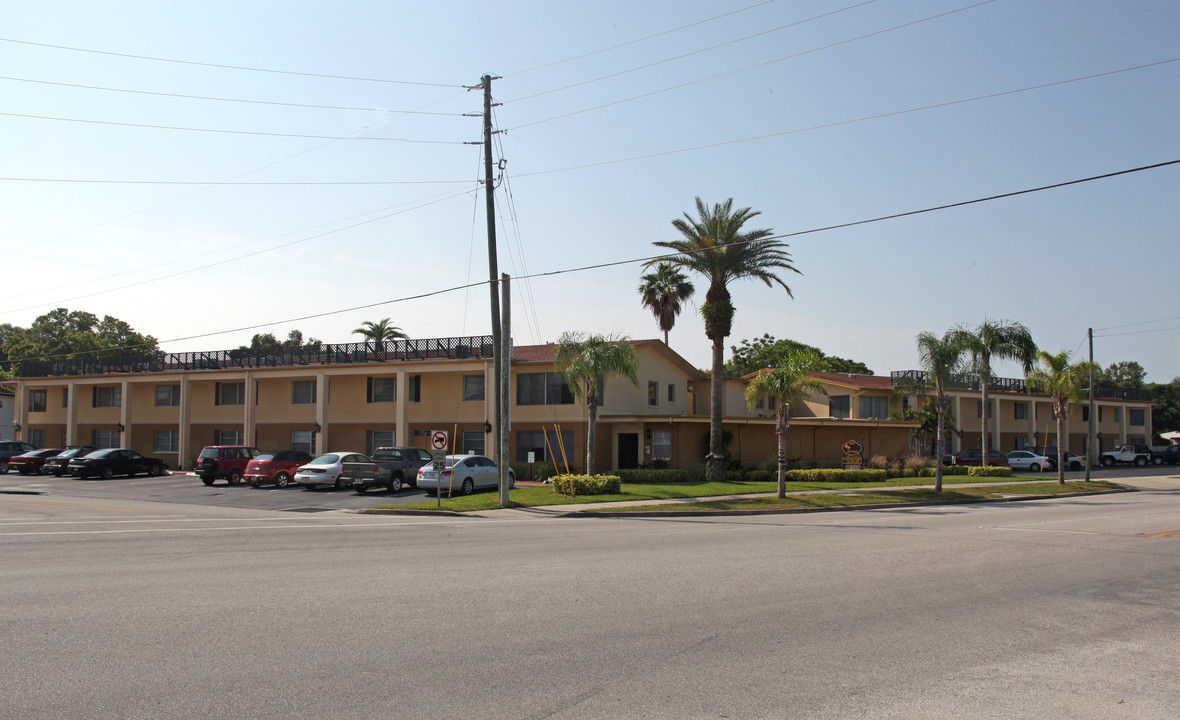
[(649, 476), (587, 484), (990, 471)]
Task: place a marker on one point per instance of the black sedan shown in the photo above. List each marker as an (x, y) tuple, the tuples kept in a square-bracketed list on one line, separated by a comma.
[(115, 461), (60, 464)]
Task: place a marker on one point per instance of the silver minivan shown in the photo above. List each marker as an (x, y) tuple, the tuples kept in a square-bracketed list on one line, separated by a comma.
[(462, 474)]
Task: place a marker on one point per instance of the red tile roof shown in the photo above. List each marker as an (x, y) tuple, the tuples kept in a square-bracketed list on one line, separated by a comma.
[(868, 382)]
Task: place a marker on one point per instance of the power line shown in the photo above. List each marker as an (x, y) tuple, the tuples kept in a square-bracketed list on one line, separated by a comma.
[(225, 132), (223, 99), (756, 65), (232, 182), (694, 52), (838, 123), (226, 67), (1134, 324), (1137, 332)]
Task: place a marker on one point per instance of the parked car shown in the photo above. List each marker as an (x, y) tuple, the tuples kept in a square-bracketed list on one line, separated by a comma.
[(115, 461), (1169, 455), (225, 461), (31, 462), (975, 457), (275, 467), (11, 448), (59, 464), (1027, 460), (325, 469), (1138, 455), (1073, 461), (462, 474), (391, 467)]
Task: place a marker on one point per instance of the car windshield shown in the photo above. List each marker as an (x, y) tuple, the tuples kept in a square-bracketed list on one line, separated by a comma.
[(264, 457), (73, 452), (329, 459)]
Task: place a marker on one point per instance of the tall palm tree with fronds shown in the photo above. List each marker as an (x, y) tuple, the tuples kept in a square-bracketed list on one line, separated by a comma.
[(1055, 376), (664, 292), (586, 361), (941, 359), (380, 331), (790, 384), (716, 246), (995, 340)]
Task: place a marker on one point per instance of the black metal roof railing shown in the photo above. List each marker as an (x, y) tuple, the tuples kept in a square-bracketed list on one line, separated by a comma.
[(969, 381), (456, 348)]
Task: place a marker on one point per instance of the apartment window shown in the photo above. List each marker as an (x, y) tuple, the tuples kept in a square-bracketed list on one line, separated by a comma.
[(37, 437), (108, 397), (166, 441), (65, 397), (1136, 416), (167, 395), (874, 408), (979, 409), (760, 403), (473, 441), (37, 400), (534, 441), (103, 439), (671, 393), (230, 394), (227, 437), (301, 440), (1085, 413), (839, 406), (771, 402), (415, 388), (661, 445), (653, 394), (1021, 411), (382, 390), (542, 389), (379, 438), (303, 392), (473, 388)]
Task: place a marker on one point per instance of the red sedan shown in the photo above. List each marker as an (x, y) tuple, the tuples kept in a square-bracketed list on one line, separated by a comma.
[(30, 463), (975, 457)]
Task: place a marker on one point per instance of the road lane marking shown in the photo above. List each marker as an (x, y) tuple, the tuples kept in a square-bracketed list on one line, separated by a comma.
[(301, 526)]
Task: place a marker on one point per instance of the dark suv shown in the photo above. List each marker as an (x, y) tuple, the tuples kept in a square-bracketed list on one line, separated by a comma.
[(225, 461), (11, 448)]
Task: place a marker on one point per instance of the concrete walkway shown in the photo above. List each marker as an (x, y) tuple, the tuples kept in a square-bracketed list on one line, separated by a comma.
[(541, 511)]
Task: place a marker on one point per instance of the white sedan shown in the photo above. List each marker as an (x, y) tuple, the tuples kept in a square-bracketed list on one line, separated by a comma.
[(1025, 460), (462, 474), (325, 469)]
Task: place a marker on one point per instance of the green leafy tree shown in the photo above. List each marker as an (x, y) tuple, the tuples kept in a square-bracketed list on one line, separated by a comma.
[(716, 245), (381, 331), (995, 340), (1061, 380), (61, 333), (790, 383), (767, 352), (664, 291), (1124, 375), (586, 361), (1165, 413), (941, 358)]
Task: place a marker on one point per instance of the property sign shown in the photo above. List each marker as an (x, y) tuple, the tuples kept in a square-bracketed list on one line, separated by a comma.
[(852, 455)]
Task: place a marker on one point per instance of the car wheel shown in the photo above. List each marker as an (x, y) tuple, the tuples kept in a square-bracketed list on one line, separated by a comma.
[(511, 480), (336, 485), (1034, 467), (1107, 462), (360, 488), (3, 467), (235, 476), (395, 484), (1157, 460), (282, 480), (107, 473), (1050, 466), (1140, 461), (155, 470), (207, 480), (467, 487)]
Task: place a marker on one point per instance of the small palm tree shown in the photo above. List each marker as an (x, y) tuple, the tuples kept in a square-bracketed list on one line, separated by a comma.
[(941, 358), (664, 293), (716, 246), (586, 361), (381, 331), (999, 340), (1062, 381), (789, 384)]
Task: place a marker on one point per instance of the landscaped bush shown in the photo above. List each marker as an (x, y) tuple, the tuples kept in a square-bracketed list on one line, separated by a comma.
[(836, 475), (586, 484), (651, 476), (918, 462), (946, 470), (990, 471)]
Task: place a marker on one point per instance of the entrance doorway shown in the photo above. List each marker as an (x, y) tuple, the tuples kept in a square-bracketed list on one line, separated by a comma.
[(628, 450)]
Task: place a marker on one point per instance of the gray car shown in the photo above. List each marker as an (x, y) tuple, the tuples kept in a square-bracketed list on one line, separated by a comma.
[(462, 475)]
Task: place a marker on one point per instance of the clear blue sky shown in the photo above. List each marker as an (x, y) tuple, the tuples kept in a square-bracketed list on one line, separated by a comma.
[(618, 114)]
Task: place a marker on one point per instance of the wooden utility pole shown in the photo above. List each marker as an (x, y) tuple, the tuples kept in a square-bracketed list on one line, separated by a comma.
[(1090, 435), (502, 382)]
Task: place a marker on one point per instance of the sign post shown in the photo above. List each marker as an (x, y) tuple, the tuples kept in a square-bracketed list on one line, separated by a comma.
[(852, 455), (439, 441)]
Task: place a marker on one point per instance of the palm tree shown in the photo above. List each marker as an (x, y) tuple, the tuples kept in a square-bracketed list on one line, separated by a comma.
[(1055, 376), (715, 246), (999, 340), (664, 292), (941, 358), (585, 361), (789, 384), (381, 331)]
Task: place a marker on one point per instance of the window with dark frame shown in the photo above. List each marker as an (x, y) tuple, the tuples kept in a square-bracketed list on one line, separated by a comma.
[(37, 400), (542, 389), (108, 397), (382, 390), (230, 393), (839, 406), (168, 395), (653, 394), (303, 392), (474, 388)]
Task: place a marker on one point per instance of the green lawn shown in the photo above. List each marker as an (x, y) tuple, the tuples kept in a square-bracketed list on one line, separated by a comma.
[(544, 495)]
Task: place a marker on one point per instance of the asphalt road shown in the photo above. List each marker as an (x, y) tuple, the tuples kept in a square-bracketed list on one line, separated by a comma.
[(1065, 608)]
